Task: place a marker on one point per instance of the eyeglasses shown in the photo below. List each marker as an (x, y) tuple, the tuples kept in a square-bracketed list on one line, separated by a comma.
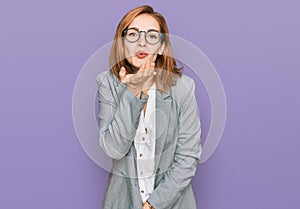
[(152, 36)]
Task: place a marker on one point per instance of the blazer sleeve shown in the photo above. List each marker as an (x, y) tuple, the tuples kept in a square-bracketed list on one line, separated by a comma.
[(186, 158), (118, 116)]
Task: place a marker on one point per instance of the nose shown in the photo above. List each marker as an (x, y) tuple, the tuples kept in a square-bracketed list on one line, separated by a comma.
[(142, 40)]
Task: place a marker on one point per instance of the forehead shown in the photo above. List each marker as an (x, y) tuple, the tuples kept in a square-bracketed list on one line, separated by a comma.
[(144, 22)]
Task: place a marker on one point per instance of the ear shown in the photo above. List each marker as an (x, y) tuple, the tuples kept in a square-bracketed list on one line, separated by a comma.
[(162, 48)]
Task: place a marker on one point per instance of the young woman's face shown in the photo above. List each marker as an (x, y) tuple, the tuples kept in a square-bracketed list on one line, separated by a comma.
[(145, 48)]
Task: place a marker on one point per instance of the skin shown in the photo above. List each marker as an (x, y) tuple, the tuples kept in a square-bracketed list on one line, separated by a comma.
[(143, 22), (144, 78), (146, 205)]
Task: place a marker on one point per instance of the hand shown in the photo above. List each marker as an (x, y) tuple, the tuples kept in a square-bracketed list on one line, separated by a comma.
[(140, 81), (146, 205)]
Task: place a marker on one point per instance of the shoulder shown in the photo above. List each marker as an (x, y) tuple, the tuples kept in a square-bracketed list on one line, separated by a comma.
[(108, 79), (184, 87), (105, 76), (184, 81)]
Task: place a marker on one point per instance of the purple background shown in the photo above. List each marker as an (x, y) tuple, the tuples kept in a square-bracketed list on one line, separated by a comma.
[(254, 46)]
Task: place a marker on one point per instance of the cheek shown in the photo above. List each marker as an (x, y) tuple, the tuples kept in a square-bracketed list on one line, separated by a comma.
[(153, 57), (153, 49), (129, 51), (153, 53)]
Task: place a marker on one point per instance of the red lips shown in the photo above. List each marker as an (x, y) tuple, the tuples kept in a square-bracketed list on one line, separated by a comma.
[(141, 54)]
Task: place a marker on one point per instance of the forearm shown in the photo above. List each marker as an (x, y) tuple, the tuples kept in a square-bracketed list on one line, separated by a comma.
[(118, 122)]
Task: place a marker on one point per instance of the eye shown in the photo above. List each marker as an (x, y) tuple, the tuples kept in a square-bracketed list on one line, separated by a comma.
[(153, 36), (132, 34)]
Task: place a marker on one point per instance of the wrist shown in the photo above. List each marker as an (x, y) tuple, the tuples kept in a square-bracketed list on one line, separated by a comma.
[(149, 204), (139, 95)]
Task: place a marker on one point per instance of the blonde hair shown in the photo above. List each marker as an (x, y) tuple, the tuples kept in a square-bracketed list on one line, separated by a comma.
[(165, 63)]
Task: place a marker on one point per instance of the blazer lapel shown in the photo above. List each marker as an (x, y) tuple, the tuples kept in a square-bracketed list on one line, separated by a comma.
[(163, 103), (163, 107)]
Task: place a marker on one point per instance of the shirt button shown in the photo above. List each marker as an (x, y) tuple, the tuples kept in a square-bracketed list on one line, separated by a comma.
[(141, 172), (141, 154), (146, 130), (142, 191), (143, 138)]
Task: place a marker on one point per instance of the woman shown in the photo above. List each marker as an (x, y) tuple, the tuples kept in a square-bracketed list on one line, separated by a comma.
[(149, 122)]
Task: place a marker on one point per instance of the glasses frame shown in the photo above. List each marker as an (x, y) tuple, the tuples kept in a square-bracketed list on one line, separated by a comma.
[(161, 36)]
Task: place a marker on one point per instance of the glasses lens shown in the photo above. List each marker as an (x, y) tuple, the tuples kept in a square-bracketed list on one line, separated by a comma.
[(153, 37), (132, 35)]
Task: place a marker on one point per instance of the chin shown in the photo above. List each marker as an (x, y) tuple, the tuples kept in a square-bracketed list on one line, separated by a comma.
[(138, 62)]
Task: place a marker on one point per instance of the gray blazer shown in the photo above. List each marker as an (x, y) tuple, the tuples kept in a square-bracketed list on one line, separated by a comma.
[(177, 148)]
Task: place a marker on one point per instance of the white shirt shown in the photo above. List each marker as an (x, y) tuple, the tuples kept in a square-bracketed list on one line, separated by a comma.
[(144, 142)]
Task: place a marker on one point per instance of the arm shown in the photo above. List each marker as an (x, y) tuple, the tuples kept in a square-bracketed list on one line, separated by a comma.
[(118, 119), (186, 158)]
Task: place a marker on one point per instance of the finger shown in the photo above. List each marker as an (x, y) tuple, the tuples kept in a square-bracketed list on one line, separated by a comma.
[(140, 73), (147, 68), (147, 72), (124, 77), (152, 67), (148, 64), (142, 67), (122, 73), (151, 70), (127, 79)]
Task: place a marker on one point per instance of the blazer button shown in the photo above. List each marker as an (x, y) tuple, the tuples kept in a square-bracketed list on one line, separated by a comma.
[(142, 191), (157, 170)]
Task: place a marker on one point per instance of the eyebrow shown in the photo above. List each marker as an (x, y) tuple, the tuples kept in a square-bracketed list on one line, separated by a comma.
[(143, 30)]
